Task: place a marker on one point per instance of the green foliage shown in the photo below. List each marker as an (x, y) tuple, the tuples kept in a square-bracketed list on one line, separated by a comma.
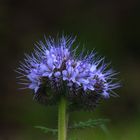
[(91, 123), (47, 130)]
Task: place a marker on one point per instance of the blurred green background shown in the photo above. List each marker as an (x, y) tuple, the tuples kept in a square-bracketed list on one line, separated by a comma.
[(112, 27)]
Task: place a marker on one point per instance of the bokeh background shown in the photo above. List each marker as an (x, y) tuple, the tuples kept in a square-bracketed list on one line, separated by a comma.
[(112, 27)]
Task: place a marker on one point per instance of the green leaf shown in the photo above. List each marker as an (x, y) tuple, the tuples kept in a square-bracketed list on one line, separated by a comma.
[(47, 130), (91, 123)]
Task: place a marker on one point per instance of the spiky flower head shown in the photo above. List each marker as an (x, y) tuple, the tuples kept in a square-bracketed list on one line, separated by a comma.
[(54, 70)]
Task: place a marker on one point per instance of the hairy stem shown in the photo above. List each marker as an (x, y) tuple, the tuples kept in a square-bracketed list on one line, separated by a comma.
[(62, 119)]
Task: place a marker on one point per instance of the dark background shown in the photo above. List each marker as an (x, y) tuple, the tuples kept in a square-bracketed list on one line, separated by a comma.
[(112, 27)]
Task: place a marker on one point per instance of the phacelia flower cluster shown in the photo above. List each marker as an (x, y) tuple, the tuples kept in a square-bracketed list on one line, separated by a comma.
[(53, 70)]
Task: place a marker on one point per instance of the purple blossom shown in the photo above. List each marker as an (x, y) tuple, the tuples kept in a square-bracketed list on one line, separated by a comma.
[(56, 62)]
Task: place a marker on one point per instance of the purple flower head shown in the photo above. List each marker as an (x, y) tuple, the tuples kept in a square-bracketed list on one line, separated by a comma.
[(53, 69)]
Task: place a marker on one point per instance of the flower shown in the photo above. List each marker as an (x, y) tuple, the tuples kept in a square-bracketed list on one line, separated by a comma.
[(53, 69)]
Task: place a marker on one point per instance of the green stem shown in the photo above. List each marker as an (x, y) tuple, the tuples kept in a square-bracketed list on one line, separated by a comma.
[(62, 119)]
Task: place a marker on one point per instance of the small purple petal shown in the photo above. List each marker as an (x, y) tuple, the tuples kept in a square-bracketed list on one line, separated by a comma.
[(57, 74)]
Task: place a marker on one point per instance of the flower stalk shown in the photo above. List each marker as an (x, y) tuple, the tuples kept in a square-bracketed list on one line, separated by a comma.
[(62, 119)]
